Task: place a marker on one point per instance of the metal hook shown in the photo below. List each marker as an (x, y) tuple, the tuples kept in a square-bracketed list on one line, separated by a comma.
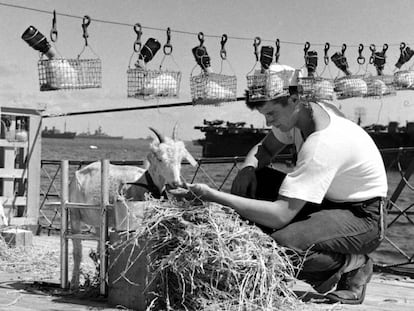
[(53, 31), (138, 31), (343, 49), (402, 46), (277, 54), (372, 48), (85, 23), (385, 48), (167, 46), (326, 49), (307, 46), (223, 52), (256, 44), (360, 59), (201, 38)]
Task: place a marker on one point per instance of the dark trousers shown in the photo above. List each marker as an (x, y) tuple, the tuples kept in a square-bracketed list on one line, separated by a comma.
[(322, 234)]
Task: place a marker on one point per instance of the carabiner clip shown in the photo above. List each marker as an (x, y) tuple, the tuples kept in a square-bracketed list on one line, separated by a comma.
[(256, 44), (223, 53), (307, 46), (326, 49), (85, 23), (53, 31), (201, 38), (277, 54), (343, 49), (137, 43), (372, 48), (360, 59), (167, 48)]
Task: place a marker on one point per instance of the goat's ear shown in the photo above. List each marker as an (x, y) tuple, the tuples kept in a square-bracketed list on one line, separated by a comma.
[(190, 158)]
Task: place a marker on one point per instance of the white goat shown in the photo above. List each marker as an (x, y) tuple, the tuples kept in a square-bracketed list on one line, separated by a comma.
[(164, 159)]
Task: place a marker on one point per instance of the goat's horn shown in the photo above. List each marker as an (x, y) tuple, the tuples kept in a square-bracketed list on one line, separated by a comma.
[(174, 133), (161, 137)]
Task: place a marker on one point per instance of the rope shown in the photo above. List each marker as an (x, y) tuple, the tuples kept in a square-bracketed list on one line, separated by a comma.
[(177, 31), (52, 115)]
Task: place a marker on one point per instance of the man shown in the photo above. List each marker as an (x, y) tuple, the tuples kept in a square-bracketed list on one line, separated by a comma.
[(329, 208)]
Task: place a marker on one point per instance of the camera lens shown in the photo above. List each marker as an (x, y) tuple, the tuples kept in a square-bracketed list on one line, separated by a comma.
[(36, 39)]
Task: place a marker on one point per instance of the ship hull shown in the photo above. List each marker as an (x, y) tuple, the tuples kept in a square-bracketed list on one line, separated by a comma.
[(67, 135), (101, 137)]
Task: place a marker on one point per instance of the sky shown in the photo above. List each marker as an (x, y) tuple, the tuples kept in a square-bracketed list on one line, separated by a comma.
[(111, 39)]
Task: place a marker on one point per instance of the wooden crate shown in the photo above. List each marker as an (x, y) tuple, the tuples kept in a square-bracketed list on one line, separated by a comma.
[(20, 165)]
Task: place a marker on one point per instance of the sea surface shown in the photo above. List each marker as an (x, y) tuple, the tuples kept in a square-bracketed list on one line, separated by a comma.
[(220, 176)]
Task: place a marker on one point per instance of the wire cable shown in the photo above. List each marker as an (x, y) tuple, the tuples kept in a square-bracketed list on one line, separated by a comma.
[(21, 7)]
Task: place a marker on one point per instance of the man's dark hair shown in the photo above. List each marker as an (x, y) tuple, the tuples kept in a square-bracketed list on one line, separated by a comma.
[(283, 100)]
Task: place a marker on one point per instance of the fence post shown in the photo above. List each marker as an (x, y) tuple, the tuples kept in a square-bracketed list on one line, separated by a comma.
[(64, 225), (104, 225)]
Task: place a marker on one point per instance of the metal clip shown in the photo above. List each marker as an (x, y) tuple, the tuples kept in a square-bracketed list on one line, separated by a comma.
[(343, 49), (360, 59), (277, 54), (372, 48), (137, 43), (256, 44), (223, 52), (85, 23), (306, 49), (168, 47), (402, 46), (201, 38), (53, 31), (326, 49)]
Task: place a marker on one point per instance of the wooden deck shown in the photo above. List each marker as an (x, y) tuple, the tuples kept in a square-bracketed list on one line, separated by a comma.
[(23, 293)]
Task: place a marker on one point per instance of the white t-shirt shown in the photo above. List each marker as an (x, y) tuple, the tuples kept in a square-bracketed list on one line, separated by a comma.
[(340, 163)]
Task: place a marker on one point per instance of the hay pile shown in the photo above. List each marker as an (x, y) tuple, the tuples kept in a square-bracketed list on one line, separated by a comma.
[(38, 262), (206, 258)]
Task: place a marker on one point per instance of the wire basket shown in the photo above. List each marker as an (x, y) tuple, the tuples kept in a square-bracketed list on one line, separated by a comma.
[(267, 85), (350, 86), (404, 80), (317, 87), (147, 84), (213, 88), (69, 74), (379, 86)]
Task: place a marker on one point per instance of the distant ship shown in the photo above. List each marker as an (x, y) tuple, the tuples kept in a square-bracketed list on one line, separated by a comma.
[(227, 139), (98, 134), (55, 133)]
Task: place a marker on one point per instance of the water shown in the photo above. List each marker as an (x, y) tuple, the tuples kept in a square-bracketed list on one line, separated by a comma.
[(400, 233)]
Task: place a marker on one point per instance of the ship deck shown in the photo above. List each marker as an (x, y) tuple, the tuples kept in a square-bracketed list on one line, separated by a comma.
[(23, 292)]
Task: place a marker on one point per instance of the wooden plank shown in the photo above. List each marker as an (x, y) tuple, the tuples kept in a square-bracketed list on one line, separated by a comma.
[(12, 173), (12, 144), (9, 201)]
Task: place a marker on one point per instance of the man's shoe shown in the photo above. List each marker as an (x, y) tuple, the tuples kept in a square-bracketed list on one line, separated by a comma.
[(352, 286)]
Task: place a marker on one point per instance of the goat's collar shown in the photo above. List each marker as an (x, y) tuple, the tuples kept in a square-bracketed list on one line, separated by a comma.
[(150, 185)]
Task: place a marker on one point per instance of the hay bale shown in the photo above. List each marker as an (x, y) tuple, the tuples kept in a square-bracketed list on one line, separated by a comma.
[(206, 257)]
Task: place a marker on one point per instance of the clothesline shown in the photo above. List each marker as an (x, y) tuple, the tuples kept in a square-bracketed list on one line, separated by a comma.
[(234, 37)]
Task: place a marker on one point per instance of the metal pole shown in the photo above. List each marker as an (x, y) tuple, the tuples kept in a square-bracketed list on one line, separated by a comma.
[(64, 225), (104, 225)]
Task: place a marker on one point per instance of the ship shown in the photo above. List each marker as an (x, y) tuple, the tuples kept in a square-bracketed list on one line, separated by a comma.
[(235, 139), (55, 133), (228, 139), (98, 134)]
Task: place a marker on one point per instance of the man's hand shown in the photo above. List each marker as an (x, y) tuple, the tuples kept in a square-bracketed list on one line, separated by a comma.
[(245, 183), (193, 192)]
